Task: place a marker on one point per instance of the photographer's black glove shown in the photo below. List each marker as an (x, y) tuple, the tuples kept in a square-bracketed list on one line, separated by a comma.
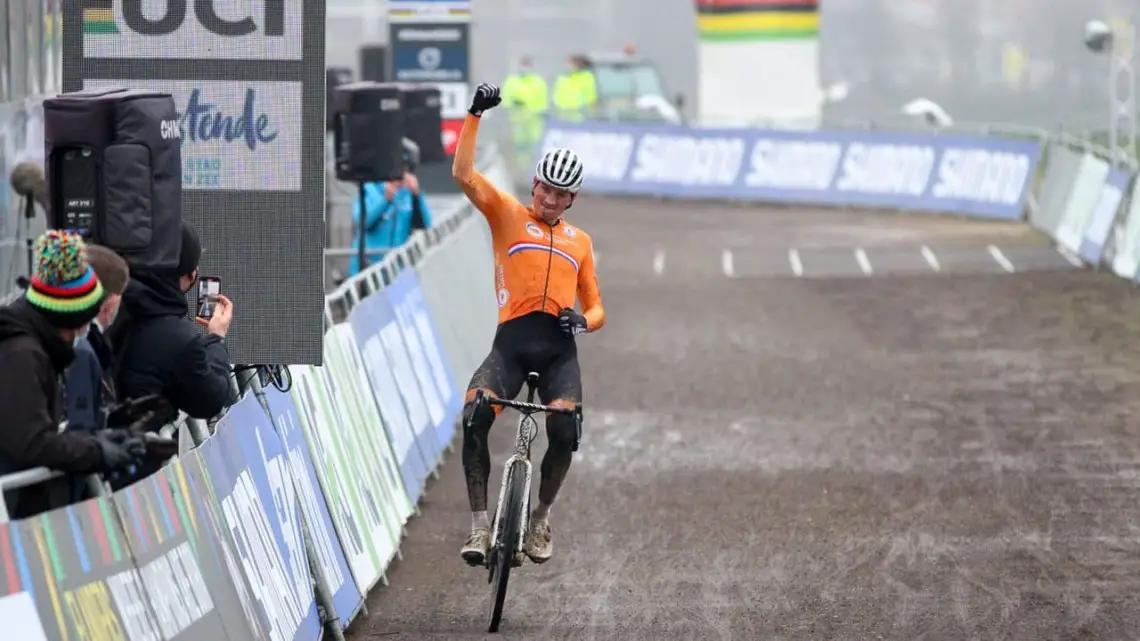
[(486, 97), (119, 448), (572, 322)]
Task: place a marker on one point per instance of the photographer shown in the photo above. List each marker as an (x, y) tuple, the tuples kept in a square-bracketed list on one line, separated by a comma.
[(394, 209), (159, 351), (37, 335)]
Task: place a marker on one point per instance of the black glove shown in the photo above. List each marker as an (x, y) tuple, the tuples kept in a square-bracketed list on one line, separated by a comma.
[(486, 97), (119, 448), (572, 322)]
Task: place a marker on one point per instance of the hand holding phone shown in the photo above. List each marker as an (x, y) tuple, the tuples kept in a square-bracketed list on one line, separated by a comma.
[(209, 288)]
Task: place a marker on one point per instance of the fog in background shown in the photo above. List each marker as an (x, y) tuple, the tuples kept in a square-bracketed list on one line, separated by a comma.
[(959, 53), (962, 54)]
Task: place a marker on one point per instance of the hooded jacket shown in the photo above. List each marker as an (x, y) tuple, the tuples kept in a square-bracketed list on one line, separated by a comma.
[(159, 350), (34, 356)]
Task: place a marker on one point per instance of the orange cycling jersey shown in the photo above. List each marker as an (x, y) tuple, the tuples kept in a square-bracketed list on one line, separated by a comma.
[(538, 266)]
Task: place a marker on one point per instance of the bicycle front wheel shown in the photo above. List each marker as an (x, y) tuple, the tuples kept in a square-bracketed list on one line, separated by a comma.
[(504, 552)]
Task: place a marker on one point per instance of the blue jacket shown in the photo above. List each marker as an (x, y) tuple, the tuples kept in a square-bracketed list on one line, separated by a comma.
[(84, 392), (388, 224)]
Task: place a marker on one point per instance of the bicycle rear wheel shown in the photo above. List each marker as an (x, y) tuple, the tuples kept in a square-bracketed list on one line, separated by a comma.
[(503, 553)]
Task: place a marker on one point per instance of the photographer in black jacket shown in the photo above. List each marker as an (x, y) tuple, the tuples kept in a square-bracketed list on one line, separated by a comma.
[(158, 348)]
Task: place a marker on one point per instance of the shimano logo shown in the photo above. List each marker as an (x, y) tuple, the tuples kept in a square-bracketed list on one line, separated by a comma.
[(429, 35), (170, 130)]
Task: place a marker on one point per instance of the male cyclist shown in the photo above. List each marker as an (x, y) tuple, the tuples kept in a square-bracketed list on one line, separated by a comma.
[(541, 262)]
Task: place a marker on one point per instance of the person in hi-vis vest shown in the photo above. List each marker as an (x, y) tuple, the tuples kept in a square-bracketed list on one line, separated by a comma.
[(525, 96), (576, 92)]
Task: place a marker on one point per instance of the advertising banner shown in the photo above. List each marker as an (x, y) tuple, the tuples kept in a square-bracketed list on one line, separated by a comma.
[(185, 579), (977, 176), (1104, 215), (69, 574), (431, 45), (348, 388), (444, 402), (401, 407), (353, 503), (248, 77), (1083, 197), (346, 597), (250, 477), (1126, 240)]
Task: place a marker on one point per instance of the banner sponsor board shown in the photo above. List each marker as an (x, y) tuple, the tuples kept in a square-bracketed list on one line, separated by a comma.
[(353, 503), (191, 592), (236, 136), (979, 176), (226, 29), (249, 80), (443, 400), (1104, 216), (385, 367), (346, 597), (431, 45), (69, 574), (250, 476)]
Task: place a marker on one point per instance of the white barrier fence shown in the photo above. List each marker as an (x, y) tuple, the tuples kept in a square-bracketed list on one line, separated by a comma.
[(278, 524)]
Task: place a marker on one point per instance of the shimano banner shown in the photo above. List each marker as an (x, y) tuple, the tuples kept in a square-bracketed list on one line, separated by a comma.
[(248, 78), (971, 175)]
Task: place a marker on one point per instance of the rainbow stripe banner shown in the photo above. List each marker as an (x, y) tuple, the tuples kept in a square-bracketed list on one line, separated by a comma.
[(99, 17), (751, 20)]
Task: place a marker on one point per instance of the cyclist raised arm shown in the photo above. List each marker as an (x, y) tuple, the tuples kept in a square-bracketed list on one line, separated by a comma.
[(487, 198), (541, 264)]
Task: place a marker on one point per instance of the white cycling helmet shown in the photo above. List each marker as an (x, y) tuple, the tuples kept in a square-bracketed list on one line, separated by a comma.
[(561, 169)]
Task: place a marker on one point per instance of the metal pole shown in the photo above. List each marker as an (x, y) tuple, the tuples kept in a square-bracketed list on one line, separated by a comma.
[(1122, 93), (361, 251)]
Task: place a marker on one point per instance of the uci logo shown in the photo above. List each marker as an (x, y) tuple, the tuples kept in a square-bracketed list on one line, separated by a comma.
[(534, 231), (169, 130), (271, 20)]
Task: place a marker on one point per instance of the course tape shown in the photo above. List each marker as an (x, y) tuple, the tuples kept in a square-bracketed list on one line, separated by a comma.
[(220, 543), (975, 175)]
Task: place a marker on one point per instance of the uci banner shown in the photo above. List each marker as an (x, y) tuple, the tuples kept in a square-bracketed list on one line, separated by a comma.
[(986, 177)]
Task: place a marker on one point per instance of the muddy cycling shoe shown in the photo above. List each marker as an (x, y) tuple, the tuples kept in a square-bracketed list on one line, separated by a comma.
[(539, 546), (474, 551)]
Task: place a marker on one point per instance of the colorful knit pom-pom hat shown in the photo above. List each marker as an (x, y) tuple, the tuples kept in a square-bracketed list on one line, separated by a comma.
[(63, 286)]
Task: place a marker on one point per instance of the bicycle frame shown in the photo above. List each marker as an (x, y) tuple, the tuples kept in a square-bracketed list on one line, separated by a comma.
[(525, 434)]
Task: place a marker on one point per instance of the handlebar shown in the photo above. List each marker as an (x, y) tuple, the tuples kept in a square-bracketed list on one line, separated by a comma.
[(532, 408)]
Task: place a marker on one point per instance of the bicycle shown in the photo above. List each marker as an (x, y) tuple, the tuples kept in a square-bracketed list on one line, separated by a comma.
[(512, 514)]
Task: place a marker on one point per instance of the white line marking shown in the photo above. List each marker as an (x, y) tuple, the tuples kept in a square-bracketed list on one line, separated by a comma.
[(928, 254), (1075, 261), (797, 264), (864, 262), (659, 262), (1000, 258), (726, 263)]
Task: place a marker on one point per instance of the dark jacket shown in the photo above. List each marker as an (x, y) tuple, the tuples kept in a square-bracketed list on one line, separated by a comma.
[(87, 395), (34, 356), (159, 350)]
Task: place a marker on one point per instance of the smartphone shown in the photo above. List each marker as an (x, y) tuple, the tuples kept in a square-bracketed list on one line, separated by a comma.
[(208, 289)]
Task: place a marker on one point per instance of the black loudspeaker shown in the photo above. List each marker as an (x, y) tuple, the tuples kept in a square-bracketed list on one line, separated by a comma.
[(368, 132), (114, 172), (374, 63), (334, 77), (423, 122)]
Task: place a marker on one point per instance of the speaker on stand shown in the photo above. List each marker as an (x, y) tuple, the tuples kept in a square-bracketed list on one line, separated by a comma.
[(368, 139), (423, 121)]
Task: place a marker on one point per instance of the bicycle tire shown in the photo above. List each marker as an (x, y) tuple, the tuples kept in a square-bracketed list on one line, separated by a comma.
[(508, 543)]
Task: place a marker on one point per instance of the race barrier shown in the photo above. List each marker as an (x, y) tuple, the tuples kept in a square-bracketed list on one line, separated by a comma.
[(1065, 187), (278, 525), (983, 176)]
